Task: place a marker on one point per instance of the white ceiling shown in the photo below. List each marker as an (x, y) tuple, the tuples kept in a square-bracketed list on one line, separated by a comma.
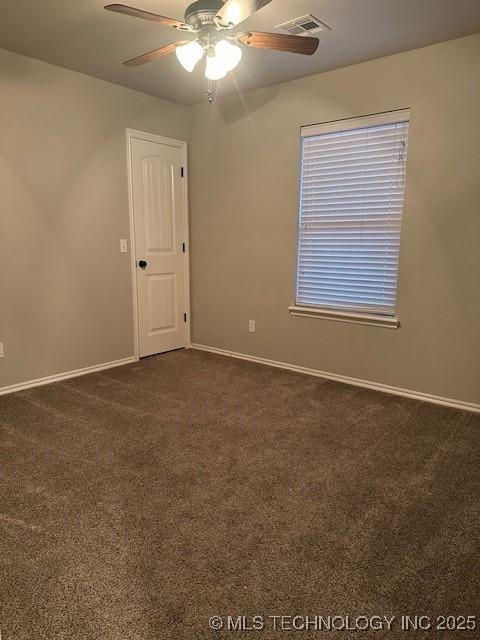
[(81, 35)]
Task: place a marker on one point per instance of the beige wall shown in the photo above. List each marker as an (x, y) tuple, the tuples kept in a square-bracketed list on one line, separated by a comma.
[(65, 288), (244, 161)]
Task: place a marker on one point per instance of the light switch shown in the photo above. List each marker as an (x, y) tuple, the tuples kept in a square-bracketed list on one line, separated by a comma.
[(123, 246), (2, 352)]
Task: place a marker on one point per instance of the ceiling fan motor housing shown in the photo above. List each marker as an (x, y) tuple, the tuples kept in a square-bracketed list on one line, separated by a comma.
[(200, 14)]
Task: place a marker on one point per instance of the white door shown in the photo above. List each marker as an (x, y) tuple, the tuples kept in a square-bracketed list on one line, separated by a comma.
[(160, 244)]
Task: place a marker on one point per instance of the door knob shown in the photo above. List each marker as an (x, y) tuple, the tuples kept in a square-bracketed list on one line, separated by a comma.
[(143, 264)]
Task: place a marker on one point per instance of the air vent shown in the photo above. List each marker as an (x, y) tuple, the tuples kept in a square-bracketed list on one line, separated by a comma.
[(304, 25)]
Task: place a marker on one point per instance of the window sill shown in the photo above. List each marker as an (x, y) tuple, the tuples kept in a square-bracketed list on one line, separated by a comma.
[(345, 316)]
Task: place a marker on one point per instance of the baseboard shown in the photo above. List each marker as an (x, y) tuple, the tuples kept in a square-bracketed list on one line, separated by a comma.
[(65, 376), (357, 382)]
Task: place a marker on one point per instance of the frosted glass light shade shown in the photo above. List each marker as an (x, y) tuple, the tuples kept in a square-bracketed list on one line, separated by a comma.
[(227, 56), (189, 55), (215, 69), (229, 53)]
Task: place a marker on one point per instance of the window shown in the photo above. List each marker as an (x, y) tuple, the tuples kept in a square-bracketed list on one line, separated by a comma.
[(351, 204)]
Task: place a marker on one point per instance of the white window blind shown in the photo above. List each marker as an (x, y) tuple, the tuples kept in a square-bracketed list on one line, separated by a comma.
[(351, 204)]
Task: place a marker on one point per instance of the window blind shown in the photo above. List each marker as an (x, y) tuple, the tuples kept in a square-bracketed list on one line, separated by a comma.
[(351, 204)]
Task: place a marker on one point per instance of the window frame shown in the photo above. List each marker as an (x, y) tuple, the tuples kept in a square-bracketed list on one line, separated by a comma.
[(344, 314)]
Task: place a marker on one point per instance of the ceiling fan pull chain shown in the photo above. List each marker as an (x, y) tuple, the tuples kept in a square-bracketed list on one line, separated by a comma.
[(210, 95)]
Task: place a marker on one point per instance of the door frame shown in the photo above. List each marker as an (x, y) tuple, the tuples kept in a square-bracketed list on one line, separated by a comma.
[(134, 134)]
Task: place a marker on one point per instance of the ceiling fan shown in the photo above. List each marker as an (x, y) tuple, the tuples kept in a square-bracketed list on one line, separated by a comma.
[(211, 21)]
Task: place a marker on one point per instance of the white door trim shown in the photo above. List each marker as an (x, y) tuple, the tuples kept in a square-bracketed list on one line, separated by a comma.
[(178, 144)]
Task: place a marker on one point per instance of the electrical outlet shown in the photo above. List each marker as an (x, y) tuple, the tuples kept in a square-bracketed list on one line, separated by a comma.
[(123, 246), (2, 352), (252, 326)]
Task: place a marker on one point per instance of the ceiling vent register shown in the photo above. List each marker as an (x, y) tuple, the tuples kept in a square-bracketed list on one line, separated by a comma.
[(304, 25)]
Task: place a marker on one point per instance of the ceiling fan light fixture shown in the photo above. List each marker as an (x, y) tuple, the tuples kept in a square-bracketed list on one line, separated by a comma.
[(189, 55), (207, 19), (229, 53)]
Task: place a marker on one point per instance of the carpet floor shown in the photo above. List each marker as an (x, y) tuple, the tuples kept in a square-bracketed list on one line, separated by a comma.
[(137, 503)]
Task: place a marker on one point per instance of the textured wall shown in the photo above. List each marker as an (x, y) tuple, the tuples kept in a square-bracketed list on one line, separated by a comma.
[(65, 288), (244, 166)]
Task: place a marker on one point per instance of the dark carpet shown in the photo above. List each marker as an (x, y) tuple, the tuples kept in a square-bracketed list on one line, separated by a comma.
[(138, 502)]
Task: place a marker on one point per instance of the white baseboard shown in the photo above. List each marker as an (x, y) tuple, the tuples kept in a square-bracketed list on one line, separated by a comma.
[(357, 382), (65, 376)]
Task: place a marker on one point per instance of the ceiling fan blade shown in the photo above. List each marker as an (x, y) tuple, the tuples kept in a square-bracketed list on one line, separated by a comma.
[(236, 11), (279, 42), (146, 15), (155, 54)]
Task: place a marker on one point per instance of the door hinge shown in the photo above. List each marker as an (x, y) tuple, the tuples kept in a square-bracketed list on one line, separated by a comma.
[(182, 172), (183, 247), (185, 317)]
